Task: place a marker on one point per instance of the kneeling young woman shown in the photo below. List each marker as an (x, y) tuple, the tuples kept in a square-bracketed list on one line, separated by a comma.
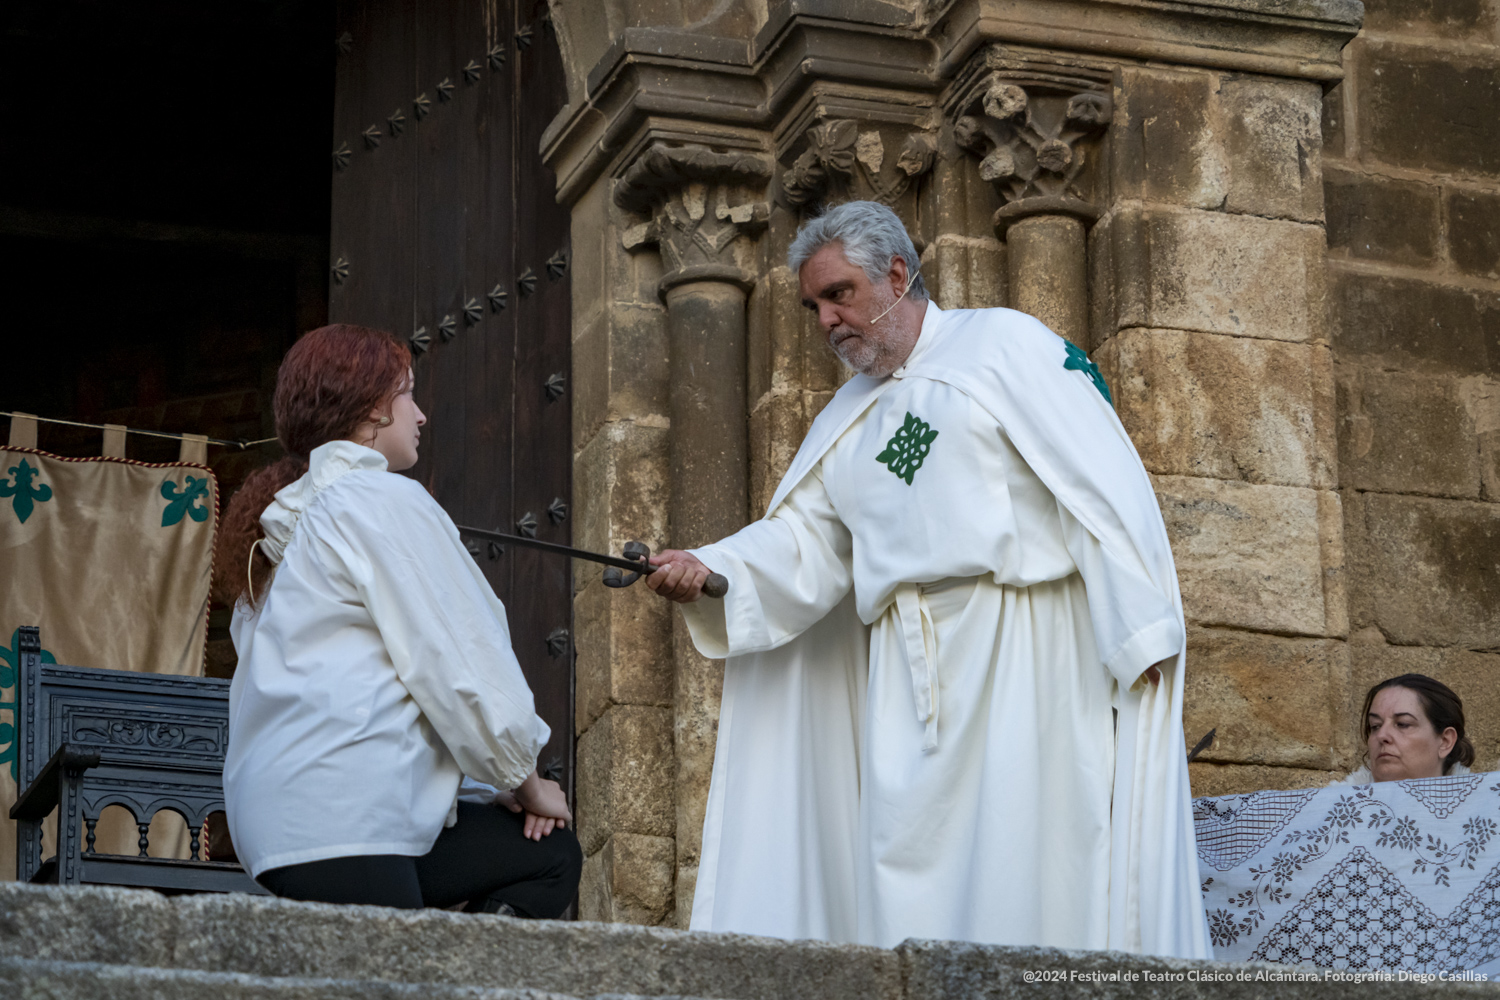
[(375, 667)]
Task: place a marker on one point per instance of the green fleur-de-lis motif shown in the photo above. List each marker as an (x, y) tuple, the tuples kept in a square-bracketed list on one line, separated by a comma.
[(9, 664), (182, 501), (908, 447), (1079, 362), (22, 494)]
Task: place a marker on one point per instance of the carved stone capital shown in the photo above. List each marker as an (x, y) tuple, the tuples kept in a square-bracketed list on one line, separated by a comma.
[(1038, 142), (703, 205), (844, 162)]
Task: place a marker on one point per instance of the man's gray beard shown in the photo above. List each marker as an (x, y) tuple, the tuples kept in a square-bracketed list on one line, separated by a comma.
[(866, 354)]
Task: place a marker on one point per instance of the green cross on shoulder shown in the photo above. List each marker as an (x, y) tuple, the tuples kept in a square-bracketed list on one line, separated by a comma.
[(908, 447), (1079, 361)]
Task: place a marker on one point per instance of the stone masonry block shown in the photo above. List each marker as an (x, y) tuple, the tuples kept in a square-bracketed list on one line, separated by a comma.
[(262, 936), (1443, 19), (1425, 572), (1474, 231), (622, 638), (620, 488), (1274, 144), (1406, 433), (1273, 700), (965, 272), (619, 369), (1199, 404), (1428, 108), (777, 427), (800, 357), (625, 775), (1247, 556), (1375, 218), (1482, 398), (954, 197), (1333, 122), (638, 874), (1402, 323), (1207, 271), (594, 239), (1474, 677), (1210, 780), (1165, 140), (87, 924)]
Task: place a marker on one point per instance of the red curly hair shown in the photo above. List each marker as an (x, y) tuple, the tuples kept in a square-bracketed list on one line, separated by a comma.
[(329, 383)]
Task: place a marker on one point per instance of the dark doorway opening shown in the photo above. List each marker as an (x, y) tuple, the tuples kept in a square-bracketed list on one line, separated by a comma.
[(164, 206)]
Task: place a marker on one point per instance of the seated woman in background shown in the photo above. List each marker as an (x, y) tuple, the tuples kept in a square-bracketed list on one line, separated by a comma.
[(1414, 728)]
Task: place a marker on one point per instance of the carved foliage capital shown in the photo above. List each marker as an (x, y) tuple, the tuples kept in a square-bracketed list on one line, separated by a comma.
[(1035, 143), (841, 161), (700, 202)]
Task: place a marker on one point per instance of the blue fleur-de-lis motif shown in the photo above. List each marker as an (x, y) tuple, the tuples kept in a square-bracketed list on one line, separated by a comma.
[(9, 664), (1079, 361), (22, 494), (182, 501)]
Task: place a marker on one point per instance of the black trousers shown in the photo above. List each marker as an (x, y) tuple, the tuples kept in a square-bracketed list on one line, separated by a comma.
[(484, 861)]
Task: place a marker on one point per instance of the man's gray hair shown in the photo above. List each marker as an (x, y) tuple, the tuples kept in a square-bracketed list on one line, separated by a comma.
[(871, 235)]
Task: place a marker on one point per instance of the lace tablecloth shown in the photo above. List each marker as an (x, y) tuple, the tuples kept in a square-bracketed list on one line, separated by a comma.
[(1394, 875)]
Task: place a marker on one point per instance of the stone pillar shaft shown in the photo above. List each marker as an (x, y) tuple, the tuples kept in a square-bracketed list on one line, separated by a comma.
[(1048, 273)]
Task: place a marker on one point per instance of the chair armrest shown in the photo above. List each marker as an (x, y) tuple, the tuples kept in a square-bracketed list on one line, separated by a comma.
[(39, 798)]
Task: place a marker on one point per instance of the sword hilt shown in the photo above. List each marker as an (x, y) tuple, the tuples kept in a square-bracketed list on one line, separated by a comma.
[(638, 551), (716, 586)]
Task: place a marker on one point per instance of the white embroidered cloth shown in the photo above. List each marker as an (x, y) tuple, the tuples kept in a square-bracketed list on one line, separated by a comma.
[(1393, 875)]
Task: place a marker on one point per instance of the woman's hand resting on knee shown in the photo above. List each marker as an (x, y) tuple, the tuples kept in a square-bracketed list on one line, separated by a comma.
[(543, 801)]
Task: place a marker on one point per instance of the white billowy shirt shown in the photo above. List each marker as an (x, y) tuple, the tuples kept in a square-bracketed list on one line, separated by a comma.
[(374, 673), (985, 751)]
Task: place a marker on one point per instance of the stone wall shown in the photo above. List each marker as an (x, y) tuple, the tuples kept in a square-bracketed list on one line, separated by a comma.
[(1412, 184), (1175, 228)]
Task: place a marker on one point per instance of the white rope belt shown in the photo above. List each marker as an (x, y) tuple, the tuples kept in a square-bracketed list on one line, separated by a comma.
[(921, 656)]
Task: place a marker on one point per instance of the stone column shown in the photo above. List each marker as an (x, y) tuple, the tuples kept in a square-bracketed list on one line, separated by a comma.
[(1038, 145), (704, 209)]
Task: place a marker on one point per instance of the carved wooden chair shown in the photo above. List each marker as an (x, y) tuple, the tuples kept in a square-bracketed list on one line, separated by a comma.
[(87, 739)]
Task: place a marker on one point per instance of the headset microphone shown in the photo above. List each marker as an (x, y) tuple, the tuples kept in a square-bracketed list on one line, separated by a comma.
[(893, 305)]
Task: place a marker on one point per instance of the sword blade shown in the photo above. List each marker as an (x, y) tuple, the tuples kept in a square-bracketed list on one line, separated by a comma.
[(635, 566)]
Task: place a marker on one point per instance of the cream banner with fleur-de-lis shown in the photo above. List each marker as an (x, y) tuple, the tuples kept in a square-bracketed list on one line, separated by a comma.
[(111, 559)]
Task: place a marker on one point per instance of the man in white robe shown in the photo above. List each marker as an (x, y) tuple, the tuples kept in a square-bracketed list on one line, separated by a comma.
[(954, 645)]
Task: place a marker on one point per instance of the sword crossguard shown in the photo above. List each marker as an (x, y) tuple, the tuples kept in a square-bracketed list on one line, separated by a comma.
[(715, 586), (636, 551)]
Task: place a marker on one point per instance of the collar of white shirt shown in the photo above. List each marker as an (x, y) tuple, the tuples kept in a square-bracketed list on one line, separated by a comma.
[(326, 465)]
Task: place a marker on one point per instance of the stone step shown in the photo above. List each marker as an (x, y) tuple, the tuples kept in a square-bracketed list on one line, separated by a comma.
[(272, 940), (30, 979)]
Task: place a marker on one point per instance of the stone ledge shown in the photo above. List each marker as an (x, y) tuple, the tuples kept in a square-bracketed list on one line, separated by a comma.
[(241, 947), (28, 979)]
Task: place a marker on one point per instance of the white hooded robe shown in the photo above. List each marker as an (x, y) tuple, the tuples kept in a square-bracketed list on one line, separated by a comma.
[(959, 581)]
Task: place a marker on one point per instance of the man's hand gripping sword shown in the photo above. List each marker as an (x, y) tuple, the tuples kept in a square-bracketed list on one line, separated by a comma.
[(620, 572)]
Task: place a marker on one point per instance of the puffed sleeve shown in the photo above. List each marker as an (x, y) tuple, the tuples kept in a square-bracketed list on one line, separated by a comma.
[(443, 626)]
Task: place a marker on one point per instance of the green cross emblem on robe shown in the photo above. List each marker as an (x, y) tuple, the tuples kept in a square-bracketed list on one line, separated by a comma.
[(22, 495), (908, 447), (1079, 362), (182, 501)]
